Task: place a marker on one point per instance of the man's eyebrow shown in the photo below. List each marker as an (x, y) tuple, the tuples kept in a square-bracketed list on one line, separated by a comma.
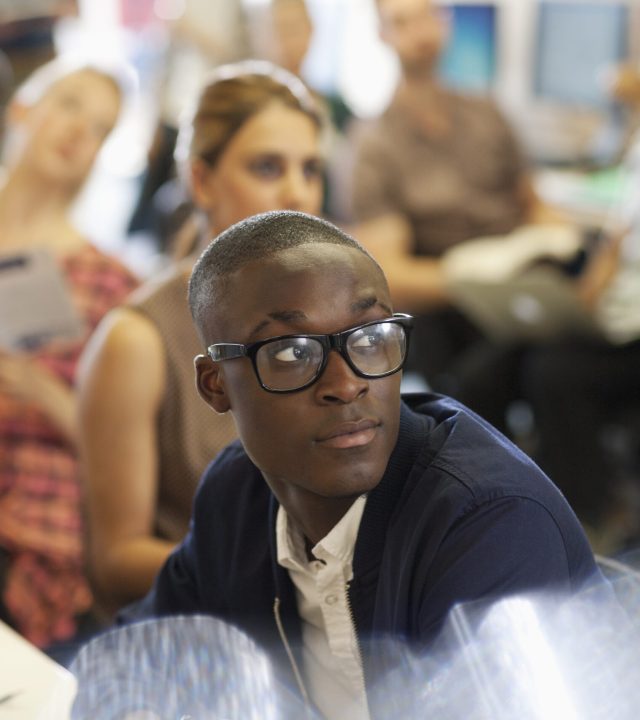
[(367, 302), (285, 316), (290, 316)]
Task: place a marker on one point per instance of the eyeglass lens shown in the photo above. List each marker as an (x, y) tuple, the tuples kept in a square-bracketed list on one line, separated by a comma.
[(290, 363)]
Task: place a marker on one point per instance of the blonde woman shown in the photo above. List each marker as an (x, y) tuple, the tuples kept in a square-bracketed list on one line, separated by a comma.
[(56, 125)]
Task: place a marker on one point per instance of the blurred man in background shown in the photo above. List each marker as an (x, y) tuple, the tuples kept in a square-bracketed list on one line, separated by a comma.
[(436, 169), (282, 32)]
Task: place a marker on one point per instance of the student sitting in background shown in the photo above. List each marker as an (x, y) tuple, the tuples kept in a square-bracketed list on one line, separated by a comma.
[(56, 125), (282, 32), (436, 169), (253, 145), (344, 515), (579, 387)]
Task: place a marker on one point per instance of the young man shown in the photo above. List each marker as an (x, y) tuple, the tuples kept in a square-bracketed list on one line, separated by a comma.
[(344, 515)]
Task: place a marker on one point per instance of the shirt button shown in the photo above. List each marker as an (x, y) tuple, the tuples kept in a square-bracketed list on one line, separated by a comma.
[(331, 599)]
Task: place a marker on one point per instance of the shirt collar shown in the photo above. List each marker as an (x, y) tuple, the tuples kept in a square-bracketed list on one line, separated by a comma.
[(339, 543)]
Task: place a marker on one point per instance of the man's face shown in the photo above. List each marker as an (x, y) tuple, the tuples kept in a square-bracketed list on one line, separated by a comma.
[(334, 438), (290, 34), (416, 30)]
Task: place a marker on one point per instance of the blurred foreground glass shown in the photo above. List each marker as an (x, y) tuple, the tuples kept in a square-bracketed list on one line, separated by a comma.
[(536, 657), (543, 656), (173, 668)]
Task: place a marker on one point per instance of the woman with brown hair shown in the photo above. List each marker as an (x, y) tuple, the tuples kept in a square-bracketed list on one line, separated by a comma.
[(253, 145)]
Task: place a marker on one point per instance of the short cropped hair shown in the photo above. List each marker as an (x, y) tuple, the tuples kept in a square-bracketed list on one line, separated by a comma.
[(255, 238)]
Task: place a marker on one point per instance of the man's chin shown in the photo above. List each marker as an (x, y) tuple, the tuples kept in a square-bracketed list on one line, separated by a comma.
[(359, 482), (420, 67)]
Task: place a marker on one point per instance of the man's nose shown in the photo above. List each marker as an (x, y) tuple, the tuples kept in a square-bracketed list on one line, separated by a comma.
[(338, 384)]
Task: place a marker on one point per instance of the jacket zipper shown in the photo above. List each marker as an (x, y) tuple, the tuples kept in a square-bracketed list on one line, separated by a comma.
[(355, 632), (287, 647)]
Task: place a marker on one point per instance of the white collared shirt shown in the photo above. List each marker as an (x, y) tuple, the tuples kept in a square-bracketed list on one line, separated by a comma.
[(332, 661)]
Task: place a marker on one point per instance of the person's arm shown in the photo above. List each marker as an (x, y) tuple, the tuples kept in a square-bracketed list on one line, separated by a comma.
[(535, 210), (175, 590), (601, 270), (415, 282), (27, 380), (502, 548), (121, 384)]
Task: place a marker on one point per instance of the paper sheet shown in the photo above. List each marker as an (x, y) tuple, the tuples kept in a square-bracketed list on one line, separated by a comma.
[(32, 685), (35, 303)]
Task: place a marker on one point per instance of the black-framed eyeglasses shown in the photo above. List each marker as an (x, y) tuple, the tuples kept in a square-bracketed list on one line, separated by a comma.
[(289, 363)]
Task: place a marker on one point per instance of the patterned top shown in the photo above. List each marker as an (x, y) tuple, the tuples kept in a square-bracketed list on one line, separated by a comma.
[(40, 513)]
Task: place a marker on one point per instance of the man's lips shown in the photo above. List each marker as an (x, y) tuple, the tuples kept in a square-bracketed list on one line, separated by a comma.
[(350, 434)]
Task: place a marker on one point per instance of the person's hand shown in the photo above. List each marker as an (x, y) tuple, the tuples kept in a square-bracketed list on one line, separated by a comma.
[(20, 377), (27, 381), (601, 269)]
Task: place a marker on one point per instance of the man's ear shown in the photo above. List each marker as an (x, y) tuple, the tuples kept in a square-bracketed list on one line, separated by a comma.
[(210, 384)]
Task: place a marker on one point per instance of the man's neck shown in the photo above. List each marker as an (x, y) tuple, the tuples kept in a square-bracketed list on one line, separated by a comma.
[(421, 83), (318, 524), (315, 516), (420, 79), (425, 102)]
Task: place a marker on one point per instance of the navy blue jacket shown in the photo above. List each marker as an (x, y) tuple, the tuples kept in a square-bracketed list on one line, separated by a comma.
[(460, 515)]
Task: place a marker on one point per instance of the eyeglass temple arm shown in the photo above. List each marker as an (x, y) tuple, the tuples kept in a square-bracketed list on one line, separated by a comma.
[(226, 351)]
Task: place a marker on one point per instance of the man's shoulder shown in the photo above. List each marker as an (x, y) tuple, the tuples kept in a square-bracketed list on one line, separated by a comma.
[(471, 458), (231, 493), (472, 485)]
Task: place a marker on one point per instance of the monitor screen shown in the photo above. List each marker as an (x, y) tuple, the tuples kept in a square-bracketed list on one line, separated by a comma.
[(469, 61), (576, 45)]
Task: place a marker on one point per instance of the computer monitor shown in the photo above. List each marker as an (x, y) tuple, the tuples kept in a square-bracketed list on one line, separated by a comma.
[(576, 44), (469, 61)]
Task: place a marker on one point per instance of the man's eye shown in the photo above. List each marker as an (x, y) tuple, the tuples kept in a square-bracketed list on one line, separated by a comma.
[(368, 340), (291, 353)]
